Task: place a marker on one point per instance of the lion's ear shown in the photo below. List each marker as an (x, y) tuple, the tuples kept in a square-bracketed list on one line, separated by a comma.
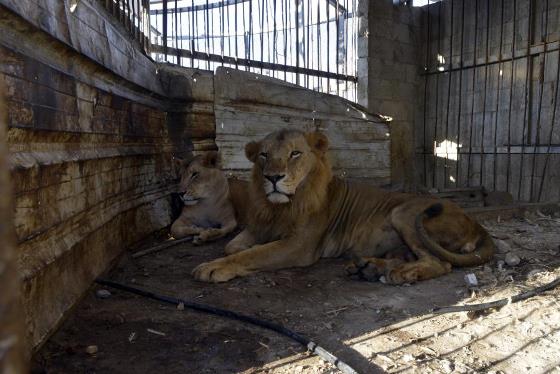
[(318, 141), (252, 151), (210, 159)]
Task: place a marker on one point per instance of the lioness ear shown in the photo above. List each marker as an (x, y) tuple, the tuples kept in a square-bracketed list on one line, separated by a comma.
[(210, 159), (252, 151), (318, 141)]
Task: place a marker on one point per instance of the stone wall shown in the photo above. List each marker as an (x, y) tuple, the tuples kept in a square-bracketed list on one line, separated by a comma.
[(389, 67)]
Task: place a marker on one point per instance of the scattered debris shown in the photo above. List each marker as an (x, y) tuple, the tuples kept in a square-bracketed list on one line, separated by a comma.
[(181, 306), (103, 294), (502, 246), (156, 332), (132, 337), (501, 264), (512, 259), (92, 349), (470, 280)]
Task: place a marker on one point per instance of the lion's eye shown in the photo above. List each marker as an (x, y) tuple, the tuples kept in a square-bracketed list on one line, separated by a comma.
[(263, 155), (295, 154), (194, 175)]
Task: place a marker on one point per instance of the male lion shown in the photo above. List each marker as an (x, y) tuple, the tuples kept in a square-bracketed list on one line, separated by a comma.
[(213, 204), (300, 213)]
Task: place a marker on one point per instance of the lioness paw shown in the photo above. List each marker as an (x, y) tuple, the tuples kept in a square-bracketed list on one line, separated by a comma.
[(216, 271)]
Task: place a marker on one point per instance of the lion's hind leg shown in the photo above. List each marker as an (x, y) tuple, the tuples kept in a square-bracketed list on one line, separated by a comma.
[(372, 268), (426, 266)]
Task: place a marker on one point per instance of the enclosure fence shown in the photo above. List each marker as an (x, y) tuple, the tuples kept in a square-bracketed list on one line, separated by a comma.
[(134, 16), (312, 43), (490, 110)]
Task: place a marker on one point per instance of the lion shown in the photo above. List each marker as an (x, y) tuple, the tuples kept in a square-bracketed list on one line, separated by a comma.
[(300, 213), (213, 204)]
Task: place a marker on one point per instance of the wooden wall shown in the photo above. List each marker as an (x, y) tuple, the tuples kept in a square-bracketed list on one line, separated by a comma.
[(497, 105), (249, 106), (93, 124)]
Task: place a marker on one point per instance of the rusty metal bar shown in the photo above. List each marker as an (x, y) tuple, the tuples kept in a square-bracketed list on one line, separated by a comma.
[(481, 177), (445, 179), (473, 101), (253, 63), (500, 79), (460, 91)]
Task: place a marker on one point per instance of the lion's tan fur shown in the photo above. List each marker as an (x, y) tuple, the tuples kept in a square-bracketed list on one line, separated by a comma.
[(217, 205), (326, 217)]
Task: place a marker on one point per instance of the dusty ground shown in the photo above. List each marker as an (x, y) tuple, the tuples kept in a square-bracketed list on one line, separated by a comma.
[(372, 326)]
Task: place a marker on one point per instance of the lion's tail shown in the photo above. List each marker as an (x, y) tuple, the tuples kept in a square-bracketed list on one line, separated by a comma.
[(483, 252)]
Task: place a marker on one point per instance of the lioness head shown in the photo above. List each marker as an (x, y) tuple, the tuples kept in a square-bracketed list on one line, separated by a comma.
[(200, 178), (283, 160)]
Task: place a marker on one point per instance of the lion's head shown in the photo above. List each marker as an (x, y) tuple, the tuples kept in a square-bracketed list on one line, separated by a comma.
[(200, 178), (288, 161)]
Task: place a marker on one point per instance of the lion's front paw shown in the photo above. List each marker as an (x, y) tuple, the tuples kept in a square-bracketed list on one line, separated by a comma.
[(367, 271), (216, 271)]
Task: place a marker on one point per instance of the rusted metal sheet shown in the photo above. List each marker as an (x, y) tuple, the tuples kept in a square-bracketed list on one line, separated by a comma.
[(248, 106)]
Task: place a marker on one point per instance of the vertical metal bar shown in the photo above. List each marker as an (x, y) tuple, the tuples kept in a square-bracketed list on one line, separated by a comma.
[(460, 96), (222, 30), (539, 109), (346, 44), (337, 45), (446, 166), (526, 113), (181, 30), (296, 19), (250, 30), (434, 139), (426, 69), (165, 28), (308, 28), (498, 89), (486, 56), (319, 43), (128, 19), (235, 33), (511, 93), (133, 27), (193, 37), (285, 37), (327, 5), (473, 87), (178, 59), (262, 32), (275, 55), (552, 124), (207, 24)]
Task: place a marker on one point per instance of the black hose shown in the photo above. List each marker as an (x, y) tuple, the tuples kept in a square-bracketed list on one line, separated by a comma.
[(310, 345)]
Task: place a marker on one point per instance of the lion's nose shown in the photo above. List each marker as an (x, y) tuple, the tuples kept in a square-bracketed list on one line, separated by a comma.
[(274, 178)]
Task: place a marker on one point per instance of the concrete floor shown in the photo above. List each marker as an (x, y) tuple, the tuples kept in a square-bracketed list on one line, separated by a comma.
[(372, 326)]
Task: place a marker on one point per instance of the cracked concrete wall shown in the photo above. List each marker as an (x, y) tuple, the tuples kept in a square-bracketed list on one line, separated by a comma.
[(389, 67)]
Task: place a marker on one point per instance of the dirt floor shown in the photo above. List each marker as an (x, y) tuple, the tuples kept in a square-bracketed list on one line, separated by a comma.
[(372, 326)]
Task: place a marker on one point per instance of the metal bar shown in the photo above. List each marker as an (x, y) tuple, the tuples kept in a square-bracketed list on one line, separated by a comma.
[(207, 24), (203, 7), (460, 92), (307, 55), (511, 92), (275, 55), (434, 139), (262, 32), (536, 50), (222, 29), (526, 113), (473, 86), (296, 18), (481, 177), (285, 36), (337, 45), (164, 21), (552, 124), (500, 79), (426, 67), (318, 43), (193, 28), (327, 5), (446, 166), (176, 33), (539, 113), (243, 62), (250, 30)]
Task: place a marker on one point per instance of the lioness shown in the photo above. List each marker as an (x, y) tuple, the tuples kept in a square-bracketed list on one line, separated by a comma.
[(300, 213), (213, 204)]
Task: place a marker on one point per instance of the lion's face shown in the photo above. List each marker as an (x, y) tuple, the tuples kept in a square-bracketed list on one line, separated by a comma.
[(200, 179), (283, 160)]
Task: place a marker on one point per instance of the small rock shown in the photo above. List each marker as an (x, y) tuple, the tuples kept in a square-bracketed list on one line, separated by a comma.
[(470, 280), (181, 306), (502, 246), (501, 264), (91, 349), (433, 190), (447, 366), (103, 294), (512, 259), (534, 272), (382, 279)]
